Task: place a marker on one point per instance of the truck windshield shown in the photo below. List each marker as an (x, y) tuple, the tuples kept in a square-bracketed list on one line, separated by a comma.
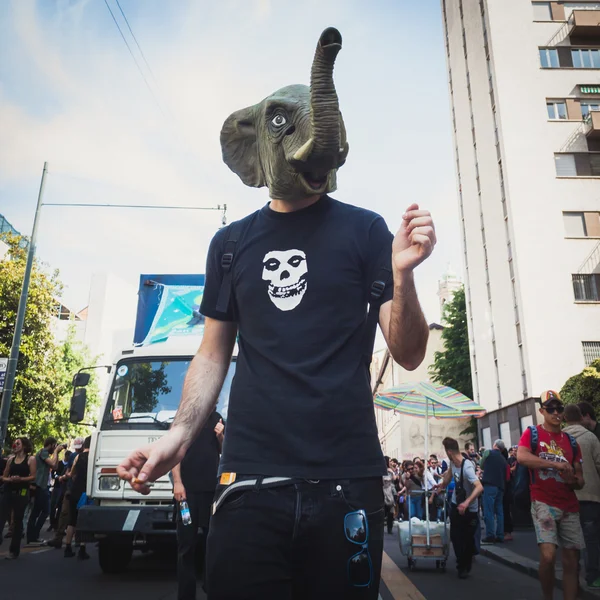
[(146, 394)]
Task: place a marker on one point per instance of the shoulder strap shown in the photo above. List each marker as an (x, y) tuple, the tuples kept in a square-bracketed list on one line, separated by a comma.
[(573, 443), (375, 295), (236, 231), (462, 472), (534, 438)]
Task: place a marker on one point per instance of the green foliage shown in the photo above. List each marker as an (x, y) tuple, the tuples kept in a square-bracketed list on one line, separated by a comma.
[(40, 402), (452, 366), (584, 386)]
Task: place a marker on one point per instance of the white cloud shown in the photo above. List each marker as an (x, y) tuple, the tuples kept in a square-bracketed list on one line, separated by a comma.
[(76, 99)]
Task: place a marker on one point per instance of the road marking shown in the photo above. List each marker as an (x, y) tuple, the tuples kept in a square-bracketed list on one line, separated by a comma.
[(399, 585), (41, 550)]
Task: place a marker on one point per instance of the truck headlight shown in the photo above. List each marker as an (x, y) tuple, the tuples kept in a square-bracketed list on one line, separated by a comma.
[(109, 484)]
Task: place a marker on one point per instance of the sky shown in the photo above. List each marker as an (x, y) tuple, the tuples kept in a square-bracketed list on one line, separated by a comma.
[(71, 94)]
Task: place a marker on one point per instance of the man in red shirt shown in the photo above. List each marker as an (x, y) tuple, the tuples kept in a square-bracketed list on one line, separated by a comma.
[(556, 471)]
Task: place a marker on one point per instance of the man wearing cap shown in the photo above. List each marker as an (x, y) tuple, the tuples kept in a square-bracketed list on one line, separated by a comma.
[(555, 463)]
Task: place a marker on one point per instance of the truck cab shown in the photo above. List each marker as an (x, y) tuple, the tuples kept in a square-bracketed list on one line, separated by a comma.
[(140, 404)]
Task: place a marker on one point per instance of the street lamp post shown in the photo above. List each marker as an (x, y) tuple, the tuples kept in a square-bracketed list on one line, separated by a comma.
[(11, 369)]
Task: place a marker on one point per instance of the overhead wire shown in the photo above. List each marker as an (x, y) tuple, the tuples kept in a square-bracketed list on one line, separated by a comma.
[(135, 40), (135, 59)]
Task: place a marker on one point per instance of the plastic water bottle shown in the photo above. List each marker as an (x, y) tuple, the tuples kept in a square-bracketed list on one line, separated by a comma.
[(186, 518)]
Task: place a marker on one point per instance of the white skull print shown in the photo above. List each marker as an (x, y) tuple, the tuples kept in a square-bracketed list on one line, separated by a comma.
[(285, 270)]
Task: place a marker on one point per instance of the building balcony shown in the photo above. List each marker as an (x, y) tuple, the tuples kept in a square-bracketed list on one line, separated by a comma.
[(585, 25), (592, 125)]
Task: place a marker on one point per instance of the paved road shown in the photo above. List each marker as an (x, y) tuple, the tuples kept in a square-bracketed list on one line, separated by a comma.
[(152, 578)]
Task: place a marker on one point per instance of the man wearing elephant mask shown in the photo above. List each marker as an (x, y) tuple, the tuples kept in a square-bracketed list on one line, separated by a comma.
[(299, 509)]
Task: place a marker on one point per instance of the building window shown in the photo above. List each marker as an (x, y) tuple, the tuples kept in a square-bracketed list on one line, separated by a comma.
[(486, 434), (557, 109), (587, 107), (586, 58), (580, 164), (505, 433), (542, 11), (586, 287), (526, 422), (591, 352), (574, 224), (549, 58)]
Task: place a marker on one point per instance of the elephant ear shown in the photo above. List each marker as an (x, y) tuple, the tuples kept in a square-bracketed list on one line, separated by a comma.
[(239, 145)]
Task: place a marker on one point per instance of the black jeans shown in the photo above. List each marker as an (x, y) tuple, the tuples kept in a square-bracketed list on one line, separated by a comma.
[(462, 534), (191, 546), (288, 543), (14, 503), (589, 515), (39, 513)]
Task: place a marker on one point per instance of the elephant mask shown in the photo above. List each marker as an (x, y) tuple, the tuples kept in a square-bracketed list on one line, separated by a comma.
[(294, 141)]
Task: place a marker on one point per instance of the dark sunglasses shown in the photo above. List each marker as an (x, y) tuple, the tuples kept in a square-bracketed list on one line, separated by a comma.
[(360, 567), (555, 409)]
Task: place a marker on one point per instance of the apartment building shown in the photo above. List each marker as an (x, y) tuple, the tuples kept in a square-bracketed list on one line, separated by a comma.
[(524, 83)]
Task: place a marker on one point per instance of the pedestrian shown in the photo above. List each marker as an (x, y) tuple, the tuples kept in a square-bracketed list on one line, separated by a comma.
[(511, 465), (434, 468), (414, 491), (494, 481), (388, 495), (554, 460), (19, 473), (589, 495), (58, 489), (589, 417), (194, 482), (46, 459), (65, 506), (471, 454), (301, 420), (78, 474), (464, 506)]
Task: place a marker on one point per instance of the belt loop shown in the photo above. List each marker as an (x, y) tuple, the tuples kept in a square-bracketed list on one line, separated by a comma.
[(258, 483)]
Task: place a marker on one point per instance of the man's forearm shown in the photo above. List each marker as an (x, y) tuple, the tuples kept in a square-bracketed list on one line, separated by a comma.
[(531, 461), (176, 472), (201, 389), (408, 329)]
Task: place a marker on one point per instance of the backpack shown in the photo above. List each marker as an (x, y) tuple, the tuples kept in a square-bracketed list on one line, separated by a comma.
[(524, 476), (238, 229)]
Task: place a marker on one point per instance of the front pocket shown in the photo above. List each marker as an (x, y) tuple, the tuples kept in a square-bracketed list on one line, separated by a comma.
[(365, 494)]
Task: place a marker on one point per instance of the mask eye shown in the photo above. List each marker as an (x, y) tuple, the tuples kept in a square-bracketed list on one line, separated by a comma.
[(278, 121)]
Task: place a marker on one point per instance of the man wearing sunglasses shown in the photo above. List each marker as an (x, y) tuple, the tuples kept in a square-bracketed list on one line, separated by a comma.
[(554, 460)]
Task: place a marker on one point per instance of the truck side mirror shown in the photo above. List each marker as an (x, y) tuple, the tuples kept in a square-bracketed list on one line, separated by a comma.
[(78, 401), (81, 379)]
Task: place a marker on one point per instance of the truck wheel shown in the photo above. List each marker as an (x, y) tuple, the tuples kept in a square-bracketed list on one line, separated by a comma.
[(114, 556)]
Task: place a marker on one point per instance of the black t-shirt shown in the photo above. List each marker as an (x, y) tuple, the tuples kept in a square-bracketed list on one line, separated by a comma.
[(200, 464), (300, 402)]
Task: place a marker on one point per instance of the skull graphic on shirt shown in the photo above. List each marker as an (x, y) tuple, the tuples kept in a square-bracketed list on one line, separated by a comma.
[(285, 271)]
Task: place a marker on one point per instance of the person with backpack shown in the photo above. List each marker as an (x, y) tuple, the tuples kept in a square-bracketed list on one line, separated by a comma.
[(464, 511), (302, 466), (553, 459)]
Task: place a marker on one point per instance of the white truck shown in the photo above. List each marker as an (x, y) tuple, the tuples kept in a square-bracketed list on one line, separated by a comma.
[(142, 398)]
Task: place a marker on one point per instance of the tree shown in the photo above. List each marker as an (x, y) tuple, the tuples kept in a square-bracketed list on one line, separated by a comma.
[(452, 365), (584, 386), (43, 377)]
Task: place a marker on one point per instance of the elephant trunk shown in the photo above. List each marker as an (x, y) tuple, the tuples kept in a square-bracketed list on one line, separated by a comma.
[(324, 105)]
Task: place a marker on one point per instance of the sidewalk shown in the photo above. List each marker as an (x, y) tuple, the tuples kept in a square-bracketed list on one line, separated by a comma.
[(522, 554)]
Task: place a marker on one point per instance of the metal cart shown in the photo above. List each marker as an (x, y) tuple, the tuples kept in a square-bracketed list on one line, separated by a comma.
[(427, 546)]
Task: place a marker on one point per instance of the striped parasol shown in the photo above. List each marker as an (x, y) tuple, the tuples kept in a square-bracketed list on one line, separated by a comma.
[(421, 399)]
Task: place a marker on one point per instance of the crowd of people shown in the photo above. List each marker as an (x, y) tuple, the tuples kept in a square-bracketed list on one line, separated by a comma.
[(554, 471), (35, 486)]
